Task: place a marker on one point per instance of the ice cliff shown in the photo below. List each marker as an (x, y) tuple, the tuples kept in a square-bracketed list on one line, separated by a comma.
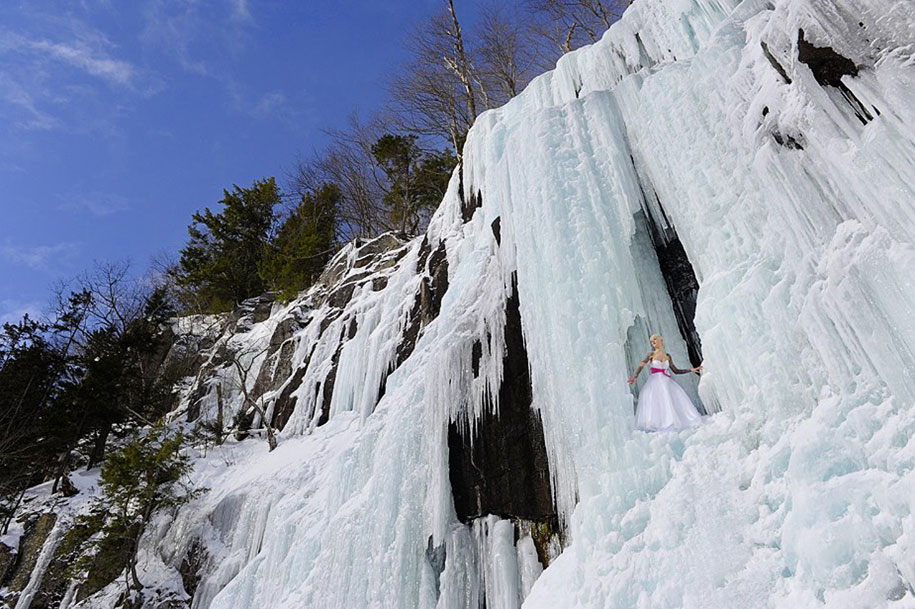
[(456, 427)]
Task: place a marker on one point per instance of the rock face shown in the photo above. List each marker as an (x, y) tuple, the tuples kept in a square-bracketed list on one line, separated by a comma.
[(7, 560), (499, 466), (20, 566), (281, 373)]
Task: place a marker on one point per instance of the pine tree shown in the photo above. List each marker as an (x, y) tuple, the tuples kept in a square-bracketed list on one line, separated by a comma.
[(225, 249), (416, 180), (142, 477), (304, 243), (30, 372)]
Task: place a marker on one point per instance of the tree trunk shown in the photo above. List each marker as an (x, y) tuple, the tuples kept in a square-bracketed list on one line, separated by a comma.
[(219, 415), (271, 436), (9, 519), (463, 69), (98, 449)]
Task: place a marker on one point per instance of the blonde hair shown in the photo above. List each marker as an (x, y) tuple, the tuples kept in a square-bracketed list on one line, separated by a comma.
[(658, 336)]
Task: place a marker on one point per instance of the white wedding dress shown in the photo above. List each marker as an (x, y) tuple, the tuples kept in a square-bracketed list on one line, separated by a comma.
[(663, 405)]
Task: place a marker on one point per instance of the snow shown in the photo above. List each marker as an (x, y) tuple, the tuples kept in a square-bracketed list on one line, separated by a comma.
[(797, 492)]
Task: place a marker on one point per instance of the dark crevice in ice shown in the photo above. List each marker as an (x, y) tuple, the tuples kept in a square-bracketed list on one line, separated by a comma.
[(498, 465), (775, 64), (829, 68), (680, 278), (787, 141), (327, 390), (426, 304), (470, 204)]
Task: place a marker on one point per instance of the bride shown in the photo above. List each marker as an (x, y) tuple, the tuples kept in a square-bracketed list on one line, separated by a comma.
[(663, 405)]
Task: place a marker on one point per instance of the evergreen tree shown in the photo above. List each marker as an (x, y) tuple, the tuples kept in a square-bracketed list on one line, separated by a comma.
[(304, 243), (225, 249), (142, 477), (91, 371), (30, 372), (416, 180)]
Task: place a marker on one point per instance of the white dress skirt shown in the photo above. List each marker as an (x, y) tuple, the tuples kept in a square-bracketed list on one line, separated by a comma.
[(663, 405)]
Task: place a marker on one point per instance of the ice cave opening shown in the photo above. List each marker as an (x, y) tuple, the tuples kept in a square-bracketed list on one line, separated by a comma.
[(679, 277)]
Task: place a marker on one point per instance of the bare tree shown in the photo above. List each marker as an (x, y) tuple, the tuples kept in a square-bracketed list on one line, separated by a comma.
[(458, 62), (507, 54), (437, 92), (250, 402), (348, 163), (570, 24)]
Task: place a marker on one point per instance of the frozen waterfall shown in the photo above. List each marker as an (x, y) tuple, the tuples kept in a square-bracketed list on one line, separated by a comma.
[(763, 150)]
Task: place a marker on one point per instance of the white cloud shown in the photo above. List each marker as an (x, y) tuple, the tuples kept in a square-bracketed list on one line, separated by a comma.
[(271, 103), (96, 203), (19, 97), (85, 52), (113, 70), (38, 257), (240, 10)]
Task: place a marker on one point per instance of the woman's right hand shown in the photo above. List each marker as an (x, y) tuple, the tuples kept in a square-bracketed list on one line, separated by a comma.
[(632, 380)]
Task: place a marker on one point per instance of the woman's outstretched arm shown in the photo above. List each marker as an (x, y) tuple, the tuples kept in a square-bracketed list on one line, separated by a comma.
[(638, 370), (676, 370)]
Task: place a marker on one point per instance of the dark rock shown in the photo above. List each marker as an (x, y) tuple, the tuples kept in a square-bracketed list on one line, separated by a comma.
[(786, 141), (340, 297), (379, 245), (682, 284), (470, 205), (425, 248), (327, 391), (224, 355), (107, 564), (186, 355), (57, 578), (364, 261), (544, 533), (428, 302), (775, 64), (33, 539), (827, 65), (285, 330), (356, 278), (434, 287), (194, 400), (278, 364), (283, 364), (192, 566), (257, 309), (285, 404), (476, 354), (410, 335), (436, 556), (242, 424), (500, 466), (7, 560), (328, 319), (497, 230), (379, 283)]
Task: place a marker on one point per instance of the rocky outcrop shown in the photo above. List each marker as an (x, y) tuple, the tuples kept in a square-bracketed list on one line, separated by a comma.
[(500, 465), (8, 558)]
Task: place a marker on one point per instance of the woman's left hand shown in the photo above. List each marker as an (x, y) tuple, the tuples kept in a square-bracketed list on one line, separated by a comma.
[(698, 369)]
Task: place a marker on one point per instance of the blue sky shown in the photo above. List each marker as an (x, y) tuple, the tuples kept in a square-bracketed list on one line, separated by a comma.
[(120, 118)]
